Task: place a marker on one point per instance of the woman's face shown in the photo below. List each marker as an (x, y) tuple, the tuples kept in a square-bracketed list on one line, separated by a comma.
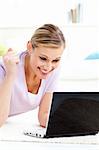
[(44, 60)]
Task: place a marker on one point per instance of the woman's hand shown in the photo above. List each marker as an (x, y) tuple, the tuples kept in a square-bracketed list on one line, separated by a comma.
[(10, 61), (44, 108)]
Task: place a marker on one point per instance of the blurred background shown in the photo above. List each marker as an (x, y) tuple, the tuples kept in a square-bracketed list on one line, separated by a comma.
[(79, 21)]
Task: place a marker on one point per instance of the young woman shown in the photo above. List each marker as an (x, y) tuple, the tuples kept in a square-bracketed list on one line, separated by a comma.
[(29, 79)]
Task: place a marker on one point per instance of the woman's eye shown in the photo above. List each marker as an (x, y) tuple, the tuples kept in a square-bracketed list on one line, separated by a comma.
[(42, 58), (56, 60)]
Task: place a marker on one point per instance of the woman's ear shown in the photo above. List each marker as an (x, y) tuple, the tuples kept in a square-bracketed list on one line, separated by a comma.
[(29, 46)]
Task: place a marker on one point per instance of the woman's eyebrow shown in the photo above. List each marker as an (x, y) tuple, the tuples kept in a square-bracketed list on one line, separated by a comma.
[(57, 58), (42, 55)]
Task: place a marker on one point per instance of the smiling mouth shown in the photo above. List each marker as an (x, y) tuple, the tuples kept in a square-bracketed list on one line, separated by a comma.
[(44, 72)]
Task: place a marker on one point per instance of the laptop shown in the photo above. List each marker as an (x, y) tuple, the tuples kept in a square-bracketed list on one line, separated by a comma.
[(71, 114)]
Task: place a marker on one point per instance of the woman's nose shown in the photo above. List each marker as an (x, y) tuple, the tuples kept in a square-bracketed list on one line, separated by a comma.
[(48, 66)]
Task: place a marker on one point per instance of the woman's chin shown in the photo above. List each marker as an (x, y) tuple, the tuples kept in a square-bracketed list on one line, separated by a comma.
[(43, 76)]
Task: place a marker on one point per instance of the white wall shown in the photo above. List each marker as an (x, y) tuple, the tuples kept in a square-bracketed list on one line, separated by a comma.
[(19, 18), (22, 13), (30, 13)]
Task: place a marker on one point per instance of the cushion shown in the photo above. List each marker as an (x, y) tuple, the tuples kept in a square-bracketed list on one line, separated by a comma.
[(93, 56)]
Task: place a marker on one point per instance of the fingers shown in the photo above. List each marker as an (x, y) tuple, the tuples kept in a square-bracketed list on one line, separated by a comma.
[(11, 56)]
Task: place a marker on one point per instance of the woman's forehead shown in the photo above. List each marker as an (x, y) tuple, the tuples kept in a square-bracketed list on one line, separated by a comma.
[(46, 49), (49, 52)]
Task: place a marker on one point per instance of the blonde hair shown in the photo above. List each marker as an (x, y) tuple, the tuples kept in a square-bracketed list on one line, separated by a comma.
[(48, 35)]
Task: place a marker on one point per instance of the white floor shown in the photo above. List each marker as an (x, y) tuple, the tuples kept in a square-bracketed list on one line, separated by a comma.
[(45, 146), (11, 137)]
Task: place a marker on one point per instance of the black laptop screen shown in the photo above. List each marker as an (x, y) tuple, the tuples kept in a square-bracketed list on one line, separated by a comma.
[(73, 114)]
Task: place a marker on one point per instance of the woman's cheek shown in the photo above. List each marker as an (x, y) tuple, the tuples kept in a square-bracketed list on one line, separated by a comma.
[(41, 63)]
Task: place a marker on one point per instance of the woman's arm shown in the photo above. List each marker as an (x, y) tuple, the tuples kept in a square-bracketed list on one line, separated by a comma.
[(44, 109), (5, 97), (6, 85)]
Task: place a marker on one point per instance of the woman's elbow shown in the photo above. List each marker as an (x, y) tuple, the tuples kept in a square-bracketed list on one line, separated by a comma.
[(2, 121)]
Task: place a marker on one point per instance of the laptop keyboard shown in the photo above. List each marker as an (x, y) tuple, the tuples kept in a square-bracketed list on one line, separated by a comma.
[(36, 131)]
